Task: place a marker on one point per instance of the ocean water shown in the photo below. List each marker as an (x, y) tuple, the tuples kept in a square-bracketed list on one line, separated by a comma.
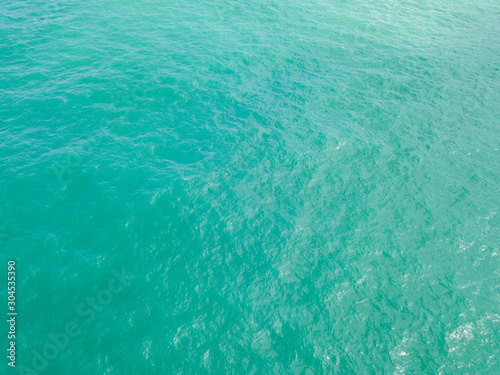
[(251, 187)]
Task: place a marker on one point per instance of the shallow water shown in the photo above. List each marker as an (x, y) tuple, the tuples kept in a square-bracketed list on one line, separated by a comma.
[(289, 187)]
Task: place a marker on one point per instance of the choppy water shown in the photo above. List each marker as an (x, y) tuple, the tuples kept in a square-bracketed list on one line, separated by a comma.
[(291, 187)]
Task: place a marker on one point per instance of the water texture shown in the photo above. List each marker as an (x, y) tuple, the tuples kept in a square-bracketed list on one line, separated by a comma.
[(286, 187)]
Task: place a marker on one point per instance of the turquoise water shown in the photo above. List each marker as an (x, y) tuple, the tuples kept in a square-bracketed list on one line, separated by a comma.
[(282, 187)]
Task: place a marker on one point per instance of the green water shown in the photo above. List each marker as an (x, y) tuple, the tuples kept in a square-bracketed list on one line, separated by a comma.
[(282, 187)]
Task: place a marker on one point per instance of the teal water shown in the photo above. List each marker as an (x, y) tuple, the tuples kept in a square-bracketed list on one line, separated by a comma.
[(287, 187)]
